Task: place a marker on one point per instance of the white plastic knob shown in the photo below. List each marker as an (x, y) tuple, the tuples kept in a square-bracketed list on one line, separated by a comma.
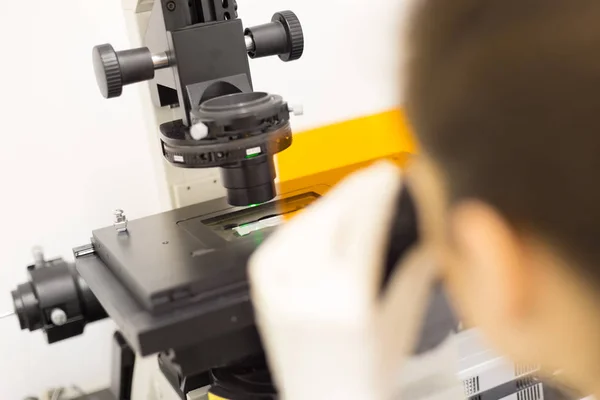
[(58, 317), (296, 109), (199, 131)]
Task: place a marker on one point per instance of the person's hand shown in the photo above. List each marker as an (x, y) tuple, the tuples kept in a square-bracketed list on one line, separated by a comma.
[(327, 330)]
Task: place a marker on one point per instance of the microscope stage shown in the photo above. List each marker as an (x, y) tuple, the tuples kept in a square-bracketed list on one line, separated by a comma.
[(194, 253), (179, 278)]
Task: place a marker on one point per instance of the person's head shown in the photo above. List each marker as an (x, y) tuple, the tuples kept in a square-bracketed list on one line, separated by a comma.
[(504, 99)]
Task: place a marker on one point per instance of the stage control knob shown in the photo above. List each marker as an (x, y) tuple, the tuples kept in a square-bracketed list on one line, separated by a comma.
[(115, 69)]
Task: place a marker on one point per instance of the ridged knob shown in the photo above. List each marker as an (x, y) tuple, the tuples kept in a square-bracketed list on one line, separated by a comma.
[(295, 35), (115, 69), (281, 37), (108, 71)]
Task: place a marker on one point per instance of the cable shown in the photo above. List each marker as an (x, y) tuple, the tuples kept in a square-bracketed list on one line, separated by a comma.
[(79, 391), (57, 393), (6, 315)]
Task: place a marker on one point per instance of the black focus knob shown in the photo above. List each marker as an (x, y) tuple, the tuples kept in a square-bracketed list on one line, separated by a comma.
[(115, 69), (283, 37), (295, 35), (57, 300)]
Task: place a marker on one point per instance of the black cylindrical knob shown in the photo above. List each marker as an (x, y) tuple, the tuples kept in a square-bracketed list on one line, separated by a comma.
[(115, 69), (283, 36), (56, 287), (27, 307)]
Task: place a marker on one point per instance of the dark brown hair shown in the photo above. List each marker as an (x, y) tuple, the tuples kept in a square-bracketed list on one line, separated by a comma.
[(505, 96)]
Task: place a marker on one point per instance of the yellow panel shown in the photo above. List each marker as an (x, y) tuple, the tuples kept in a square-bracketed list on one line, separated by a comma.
[(326, 155), (214, 397)]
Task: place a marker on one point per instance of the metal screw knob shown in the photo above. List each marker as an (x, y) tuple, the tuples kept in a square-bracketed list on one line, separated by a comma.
[(120, 221), (38, 256), (58, 317)]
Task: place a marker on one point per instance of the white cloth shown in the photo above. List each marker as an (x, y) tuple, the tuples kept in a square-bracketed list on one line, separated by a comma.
[(316, 290)]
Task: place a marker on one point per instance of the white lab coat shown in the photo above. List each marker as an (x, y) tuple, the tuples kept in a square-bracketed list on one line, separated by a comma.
[(315, 287)]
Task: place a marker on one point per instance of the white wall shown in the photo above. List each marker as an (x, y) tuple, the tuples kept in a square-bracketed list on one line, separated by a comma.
[(68, 159)]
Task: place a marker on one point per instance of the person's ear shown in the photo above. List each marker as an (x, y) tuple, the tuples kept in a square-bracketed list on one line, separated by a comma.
[(493, 280)]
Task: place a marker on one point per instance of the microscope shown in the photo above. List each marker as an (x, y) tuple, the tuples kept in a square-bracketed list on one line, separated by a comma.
[(176, 283)]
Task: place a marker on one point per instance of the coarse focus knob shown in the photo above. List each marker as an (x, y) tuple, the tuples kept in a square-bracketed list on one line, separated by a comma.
[(295, 35), (115, 69), (283, 37)]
